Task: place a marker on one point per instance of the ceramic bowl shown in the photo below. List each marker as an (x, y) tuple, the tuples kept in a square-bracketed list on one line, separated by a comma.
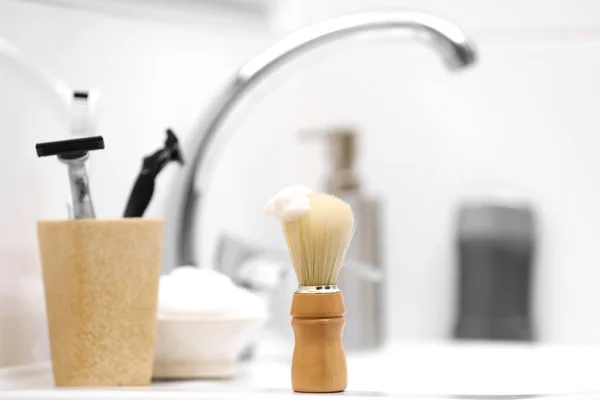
[(202, 346)]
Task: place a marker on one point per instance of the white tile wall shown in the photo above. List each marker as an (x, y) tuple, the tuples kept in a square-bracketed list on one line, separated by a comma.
[(524, 117)]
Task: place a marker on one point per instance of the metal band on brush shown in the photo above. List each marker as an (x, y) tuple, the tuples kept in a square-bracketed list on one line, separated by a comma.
[(318, 289)]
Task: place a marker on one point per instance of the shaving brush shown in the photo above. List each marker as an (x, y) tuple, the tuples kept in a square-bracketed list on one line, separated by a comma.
[(318, 229)]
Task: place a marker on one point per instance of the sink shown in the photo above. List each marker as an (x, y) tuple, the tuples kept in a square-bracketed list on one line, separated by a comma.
[(427, 371), (461, 369)]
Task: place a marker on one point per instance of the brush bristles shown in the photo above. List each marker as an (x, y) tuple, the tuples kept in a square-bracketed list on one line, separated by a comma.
[(318, 241)]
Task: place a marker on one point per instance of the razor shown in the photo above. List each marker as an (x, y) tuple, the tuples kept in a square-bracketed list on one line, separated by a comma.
[(75, 153)]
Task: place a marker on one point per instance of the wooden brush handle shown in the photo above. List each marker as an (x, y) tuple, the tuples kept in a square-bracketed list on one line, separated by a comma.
[(319, 360)]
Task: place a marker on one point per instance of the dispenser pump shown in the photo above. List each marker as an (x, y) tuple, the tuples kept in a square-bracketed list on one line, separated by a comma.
[(342, 153), (342, 144)]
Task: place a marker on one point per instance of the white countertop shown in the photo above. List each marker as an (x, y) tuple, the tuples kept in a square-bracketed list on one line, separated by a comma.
[(424, 370)]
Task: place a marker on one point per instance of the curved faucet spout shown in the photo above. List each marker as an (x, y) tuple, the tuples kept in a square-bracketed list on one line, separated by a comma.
[(449, 40), (457, 51)]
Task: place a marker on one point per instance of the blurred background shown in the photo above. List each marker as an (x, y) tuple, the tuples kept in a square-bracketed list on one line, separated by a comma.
[(484, 180)]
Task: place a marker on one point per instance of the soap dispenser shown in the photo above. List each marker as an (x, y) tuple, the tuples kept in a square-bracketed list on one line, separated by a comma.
[(361, 278), (496, 242)]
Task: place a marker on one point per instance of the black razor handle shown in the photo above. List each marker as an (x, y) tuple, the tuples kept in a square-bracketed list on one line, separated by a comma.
[(152, 165), (141, 194)]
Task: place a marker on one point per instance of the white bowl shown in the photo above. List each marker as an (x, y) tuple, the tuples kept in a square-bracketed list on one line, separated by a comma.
[(202, 345)]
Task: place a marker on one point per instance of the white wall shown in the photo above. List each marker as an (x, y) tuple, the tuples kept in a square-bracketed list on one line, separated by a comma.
[(524, 118)]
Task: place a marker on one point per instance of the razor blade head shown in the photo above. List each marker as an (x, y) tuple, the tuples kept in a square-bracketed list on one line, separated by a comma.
[(173, 143), (70, 149)]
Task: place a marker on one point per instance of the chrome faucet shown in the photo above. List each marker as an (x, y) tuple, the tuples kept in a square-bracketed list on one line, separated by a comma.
[(456, 50)]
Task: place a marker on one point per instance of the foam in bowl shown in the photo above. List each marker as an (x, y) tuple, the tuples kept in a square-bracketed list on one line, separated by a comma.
[(205, 291)]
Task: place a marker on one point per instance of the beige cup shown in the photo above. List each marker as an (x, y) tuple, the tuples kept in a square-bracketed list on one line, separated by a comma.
[(101, 287)]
